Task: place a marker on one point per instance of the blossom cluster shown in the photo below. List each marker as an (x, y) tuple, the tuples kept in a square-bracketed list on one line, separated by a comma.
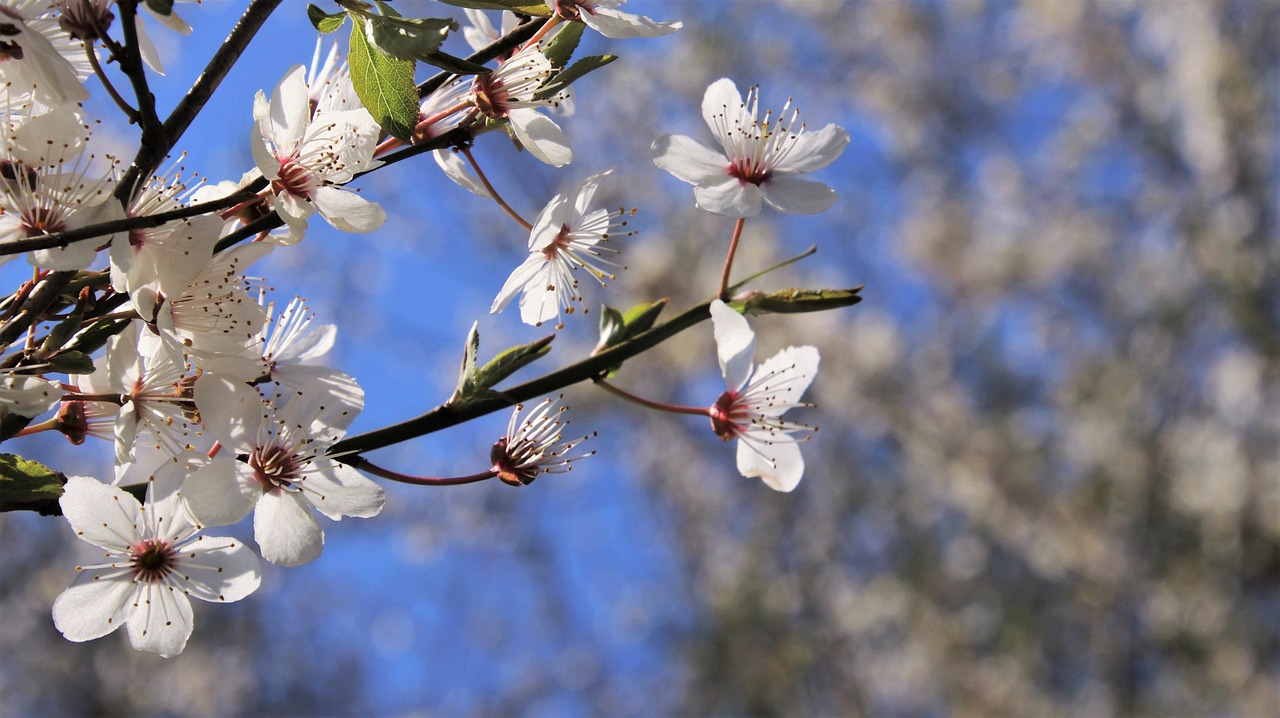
[(213, 393)]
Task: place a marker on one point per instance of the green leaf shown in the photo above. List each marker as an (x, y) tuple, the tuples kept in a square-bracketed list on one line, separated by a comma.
[(409, 38), (561, 47), (160, 7), (526, 7), (467, 372), (28, 485), (795, 301), (617, 327), (571, 74), (96, 335), (456, 65), (71, 362), (509, 361), (383, 83), (323, 21)]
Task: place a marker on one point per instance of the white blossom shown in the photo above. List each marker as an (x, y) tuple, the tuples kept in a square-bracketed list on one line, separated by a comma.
[(760, 157), (750, 410), (604, 17), (511, 91), (534, 445)]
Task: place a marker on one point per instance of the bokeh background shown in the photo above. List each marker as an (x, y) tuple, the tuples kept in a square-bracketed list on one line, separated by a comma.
[(1046, 480)]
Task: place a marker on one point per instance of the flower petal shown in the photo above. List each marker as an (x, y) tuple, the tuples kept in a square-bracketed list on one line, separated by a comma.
[(735, 344), (528, 270), (775, 458), (161, 620), (290, 110), (285, 529), (220, 569), (787, 373), (218, 495), (731, 198), (347, 210), (723, 110), (100, 514), (811, 151), (457, 169), (620, 25), (543, 138), (796, 196), (337, 490), (92, 606), (689, 160)]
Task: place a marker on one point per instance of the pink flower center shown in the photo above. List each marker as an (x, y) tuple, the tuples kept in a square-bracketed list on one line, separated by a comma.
[(152, 560), (275, 467), (294, 179), (561, 241), (746, 172), (491, 96), (725, 416), (508, 467), (572, 9)]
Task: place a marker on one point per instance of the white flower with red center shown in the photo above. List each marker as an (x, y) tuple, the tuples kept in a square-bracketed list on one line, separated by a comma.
[(534, 445), (142, 373), (567, 236), (286, 473), (306, 161), (511, 92), (155, 561), (56, 198), (751, 409), (604, 17), (34, 54), (760, 157)]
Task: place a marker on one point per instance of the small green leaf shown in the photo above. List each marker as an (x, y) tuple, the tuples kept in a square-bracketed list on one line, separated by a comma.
[(611, 324), (561, 47), (383, 83), (467, 372), (617, 327), (323, 21), (94, 337), (525, 7), (28, 484), (573, 73), (409, 38), (456, 65), (71, 362), (794, 301), (509, 361), (161, 7)]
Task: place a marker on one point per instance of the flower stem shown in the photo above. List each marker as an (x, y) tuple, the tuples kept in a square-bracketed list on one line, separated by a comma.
[(367, 466), (129, 113), (728, 259), (673, 408), (466, 152)]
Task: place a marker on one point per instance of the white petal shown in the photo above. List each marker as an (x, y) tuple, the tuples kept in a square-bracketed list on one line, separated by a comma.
[(622, 25), (74, 256), (775, 458), (290, 111), (722, 108), (543, 138), (294, 209), (101, 514), (518, 281), (814, 150), (161, 622), (146, 48), (540, 302), (311, 345), (337, 490), (222, 569), (585, 192), (217, 494), (689, 160), (789, 373), (286, 531), (347, 210), (546, 227), (263, 157), (731, 198), (457, 169), (735, 344), (92, 607), (796, 196), (230, 410)]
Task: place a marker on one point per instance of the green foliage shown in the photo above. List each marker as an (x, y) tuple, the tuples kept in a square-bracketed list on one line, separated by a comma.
[(476, 383), (571, 74), (795, 301), (383, 83), (27, 484), (561, 47), (617, 327), (526, 7), (325, 22)]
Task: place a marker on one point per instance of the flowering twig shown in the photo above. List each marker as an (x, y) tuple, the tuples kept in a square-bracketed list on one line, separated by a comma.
[(649, 403), (363, 464)]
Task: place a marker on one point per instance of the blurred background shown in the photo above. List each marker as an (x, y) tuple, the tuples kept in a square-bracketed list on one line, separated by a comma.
[(1047, 478)]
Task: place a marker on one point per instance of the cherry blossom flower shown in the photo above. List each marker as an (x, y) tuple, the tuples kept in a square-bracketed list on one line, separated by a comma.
[(306, 160), (750, 410), (566, 236), (33, 53), (155, 561), (760, 157), (287, 473), (510, 92), (604, 17), (290, 343), (534, 446), (56, 198)]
